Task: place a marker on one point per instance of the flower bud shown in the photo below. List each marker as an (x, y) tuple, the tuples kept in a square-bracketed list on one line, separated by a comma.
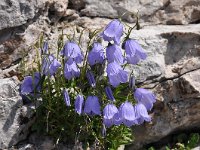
[(109, 93), (132, 82), (91, 79)]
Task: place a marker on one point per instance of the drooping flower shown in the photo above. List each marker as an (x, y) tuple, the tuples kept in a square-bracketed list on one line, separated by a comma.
[(108, 114), (26, 99), (141, 113), (92, 106), (79, 104), (109, 93), (116, 74), (72, 50), (134, 51), (113, 31), (114, 53), (67, 98), (127, 114), (71, 70), (132, 82), (146, 97), (31, 83), (50, 65), (96, 55), (91, 78)]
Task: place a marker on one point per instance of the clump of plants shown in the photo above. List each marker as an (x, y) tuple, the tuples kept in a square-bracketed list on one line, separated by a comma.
[(89, 97)]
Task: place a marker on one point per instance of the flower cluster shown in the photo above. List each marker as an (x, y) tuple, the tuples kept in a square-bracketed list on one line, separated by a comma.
[(89, 94)]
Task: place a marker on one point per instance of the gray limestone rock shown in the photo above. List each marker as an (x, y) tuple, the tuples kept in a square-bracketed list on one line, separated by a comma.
[(155, 11), (17, 12), (15, 119)]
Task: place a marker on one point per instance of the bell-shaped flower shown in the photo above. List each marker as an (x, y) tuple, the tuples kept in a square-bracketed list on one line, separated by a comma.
[(71, 69), (72, 50), (92, 106), (134, 51), (109, 93), (91, 79), (127, 114), (141, 113), (67, 98), (114, 53), (96, 55), (108, 114), (50, 65), (113, 31), (79, 104), (146, 97), (116, 74), (31, 83)]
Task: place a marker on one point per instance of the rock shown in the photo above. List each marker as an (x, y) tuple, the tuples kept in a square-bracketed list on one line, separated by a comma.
[(77, 4), (22, 22), (169, 45), (177, 112), (57, 10), (178, 12), (14, 117), (172, 71), (17, 12), (196, 148), (155, 11)]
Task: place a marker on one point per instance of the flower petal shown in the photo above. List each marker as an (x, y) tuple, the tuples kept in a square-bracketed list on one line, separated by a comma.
[(67, 98), (114, 53)]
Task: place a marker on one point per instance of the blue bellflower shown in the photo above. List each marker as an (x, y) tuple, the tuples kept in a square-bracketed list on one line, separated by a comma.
[(79, 104), (113, 31), (108, 114), (96, 55), (146, 97), (127, 114), (141, 113), (132, 82), (92, 106), (91, 78), (50, 65), (116, 74), (114, 53), (71, 70), (109, 93), (30, 83), (134, 52), (45, 48), (72, 50), (67, 98)]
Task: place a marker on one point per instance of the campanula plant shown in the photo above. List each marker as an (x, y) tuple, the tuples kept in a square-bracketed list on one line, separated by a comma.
[(87, 95)]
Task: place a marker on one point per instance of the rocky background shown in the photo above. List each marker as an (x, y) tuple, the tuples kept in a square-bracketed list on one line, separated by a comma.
[(170, 34)]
